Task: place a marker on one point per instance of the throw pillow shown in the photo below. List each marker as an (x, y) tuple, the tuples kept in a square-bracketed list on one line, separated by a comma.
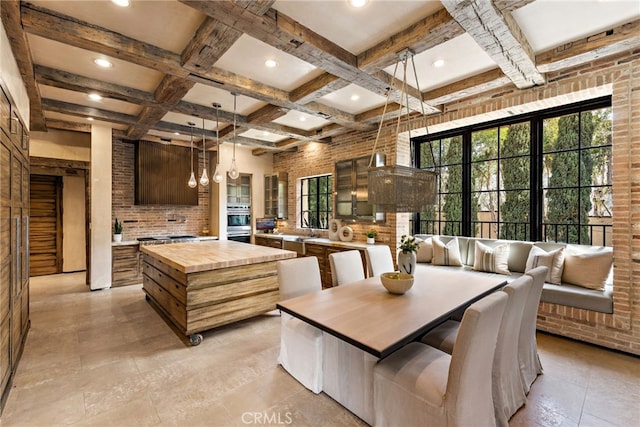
[(492, 260), (448, 254), (552, 260), (425, 250), (588, 269)]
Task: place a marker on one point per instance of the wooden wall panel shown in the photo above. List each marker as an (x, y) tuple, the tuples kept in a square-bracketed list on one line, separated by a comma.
[(45, 228), (162, 172)]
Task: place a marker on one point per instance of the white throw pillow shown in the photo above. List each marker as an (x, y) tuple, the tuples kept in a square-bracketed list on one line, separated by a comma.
[(588, 269), (493, 260), (552, 260), (425, 250), (448, 254)]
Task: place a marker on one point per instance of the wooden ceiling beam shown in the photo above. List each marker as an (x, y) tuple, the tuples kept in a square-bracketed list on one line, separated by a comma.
[(11, 21), (316, 88), (66, 125), (605, 43), (499, 35), (290, 36)]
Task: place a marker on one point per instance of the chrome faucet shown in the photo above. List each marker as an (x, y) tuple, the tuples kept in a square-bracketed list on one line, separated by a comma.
[(308, 222)]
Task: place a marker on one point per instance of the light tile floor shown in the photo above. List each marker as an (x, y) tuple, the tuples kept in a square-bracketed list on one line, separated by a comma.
[(106, 358)]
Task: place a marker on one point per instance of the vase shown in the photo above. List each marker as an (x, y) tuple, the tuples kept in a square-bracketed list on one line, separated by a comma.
[(407, 262), (371, 240), (117, 237)]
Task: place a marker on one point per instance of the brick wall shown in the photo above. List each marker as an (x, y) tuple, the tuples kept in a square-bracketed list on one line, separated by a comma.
[(619, 76), (151, 220)]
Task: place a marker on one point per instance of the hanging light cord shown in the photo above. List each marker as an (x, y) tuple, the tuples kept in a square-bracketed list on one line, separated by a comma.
[(235, 98)]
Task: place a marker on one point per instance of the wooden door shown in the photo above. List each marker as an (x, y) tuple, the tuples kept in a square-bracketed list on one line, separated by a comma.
[(45, 228)]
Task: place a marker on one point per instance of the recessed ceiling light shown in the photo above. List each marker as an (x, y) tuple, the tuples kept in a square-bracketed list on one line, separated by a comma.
[(355, 97), (101, 62), (270, 63), (265, 133), (121, 3), (90, 119), (176, 133), (358, 3), (438, 63), (303, 119), (94, 97)]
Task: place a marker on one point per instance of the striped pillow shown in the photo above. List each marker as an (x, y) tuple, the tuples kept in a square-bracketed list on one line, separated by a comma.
[(553, 260), (493, 260), (448, 254)]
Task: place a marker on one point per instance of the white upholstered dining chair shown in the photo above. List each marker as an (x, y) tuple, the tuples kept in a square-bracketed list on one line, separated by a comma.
[(507, 389), (300, 343), (530, 366), (422, 385), (379, 260), (346, 267)]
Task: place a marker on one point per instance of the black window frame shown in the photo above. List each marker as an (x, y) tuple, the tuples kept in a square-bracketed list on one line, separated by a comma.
[(536, 121), (310, 218)]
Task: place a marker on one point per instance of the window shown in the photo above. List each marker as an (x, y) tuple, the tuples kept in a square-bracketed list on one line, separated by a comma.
[(545, 176), (315, 202)]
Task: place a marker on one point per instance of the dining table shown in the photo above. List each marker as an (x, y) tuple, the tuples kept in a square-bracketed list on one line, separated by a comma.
[(366, 315)]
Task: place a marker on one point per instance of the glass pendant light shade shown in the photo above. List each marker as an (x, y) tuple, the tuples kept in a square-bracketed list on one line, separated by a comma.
[(233, 172), (204, 178), (192, 180), (217, 175)]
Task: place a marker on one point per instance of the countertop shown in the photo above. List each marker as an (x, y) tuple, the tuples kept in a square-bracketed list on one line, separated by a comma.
[(319, 240), (193, 257), (160, 240)]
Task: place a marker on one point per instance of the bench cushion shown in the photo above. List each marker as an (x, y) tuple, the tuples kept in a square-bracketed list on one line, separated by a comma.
[(579, 297)]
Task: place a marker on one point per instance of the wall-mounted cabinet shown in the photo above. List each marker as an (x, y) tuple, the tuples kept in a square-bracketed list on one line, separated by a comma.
[(352, 190), (275, 195), (239, 190)]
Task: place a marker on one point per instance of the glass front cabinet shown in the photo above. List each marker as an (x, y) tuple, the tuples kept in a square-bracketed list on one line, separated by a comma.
[(351, 188)]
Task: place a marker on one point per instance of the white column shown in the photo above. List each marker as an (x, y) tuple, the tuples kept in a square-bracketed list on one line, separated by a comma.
[(101, 226)]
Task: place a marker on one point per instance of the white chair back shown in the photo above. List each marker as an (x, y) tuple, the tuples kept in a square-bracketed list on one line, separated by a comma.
[(346, 267), (508, 393), (298, 276), (379, 260), (530, 366)]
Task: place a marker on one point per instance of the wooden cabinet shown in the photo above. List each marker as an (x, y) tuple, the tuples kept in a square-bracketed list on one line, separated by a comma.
[(239, 190), (14, 240), (275, 195), (126, 265), (351, 185), (322, 252), (267, 241)]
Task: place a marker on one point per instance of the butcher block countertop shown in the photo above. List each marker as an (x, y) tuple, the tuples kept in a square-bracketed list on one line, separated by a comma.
[(193, 257)]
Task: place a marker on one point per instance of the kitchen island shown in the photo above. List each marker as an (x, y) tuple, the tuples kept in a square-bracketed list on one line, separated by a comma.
[(197, 286)]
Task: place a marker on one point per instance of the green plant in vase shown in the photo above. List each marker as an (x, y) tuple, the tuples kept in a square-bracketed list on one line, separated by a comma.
[(407, 256), (371, 236), (117, 231)]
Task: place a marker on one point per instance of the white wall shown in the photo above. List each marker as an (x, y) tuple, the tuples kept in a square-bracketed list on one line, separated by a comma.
[(101, 227), (61, 144), (10, 75), (258, 166)]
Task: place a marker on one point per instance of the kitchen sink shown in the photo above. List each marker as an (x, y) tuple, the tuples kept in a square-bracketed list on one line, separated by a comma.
[(185, 236), (146, 239)]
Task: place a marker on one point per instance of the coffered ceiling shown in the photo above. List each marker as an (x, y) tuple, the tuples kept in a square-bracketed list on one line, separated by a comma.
[(334, 64)]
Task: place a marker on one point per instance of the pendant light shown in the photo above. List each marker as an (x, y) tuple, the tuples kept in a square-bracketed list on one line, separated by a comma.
[(204, 178), (192, 179), (233, 172), (217, 176)]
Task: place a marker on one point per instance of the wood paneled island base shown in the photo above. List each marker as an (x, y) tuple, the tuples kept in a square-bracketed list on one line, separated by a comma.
[(201, 285)]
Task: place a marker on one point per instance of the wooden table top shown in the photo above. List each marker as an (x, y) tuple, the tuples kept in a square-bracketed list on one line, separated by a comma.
[(366, 315), (192, 257)]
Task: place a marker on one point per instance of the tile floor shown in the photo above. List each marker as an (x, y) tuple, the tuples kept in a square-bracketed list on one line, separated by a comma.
[(106, 358)]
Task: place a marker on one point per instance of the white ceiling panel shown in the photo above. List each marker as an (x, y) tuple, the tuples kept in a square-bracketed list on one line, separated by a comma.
[(206, 95), (79, 61), (357, 29), (82, 99), (167, 23), (248, 55), (568, 20), (456, 66), (300, 120), (262, 136), (353, 99)]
